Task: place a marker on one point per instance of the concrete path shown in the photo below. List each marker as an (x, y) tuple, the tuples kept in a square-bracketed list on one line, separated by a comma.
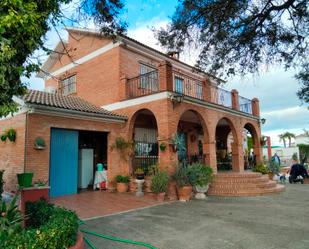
[(266, 222)]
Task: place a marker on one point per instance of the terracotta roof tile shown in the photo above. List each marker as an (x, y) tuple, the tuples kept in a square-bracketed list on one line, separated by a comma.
[(67, 102)]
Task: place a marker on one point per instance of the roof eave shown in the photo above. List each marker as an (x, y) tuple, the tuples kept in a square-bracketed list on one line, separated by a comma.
[(37, 108)]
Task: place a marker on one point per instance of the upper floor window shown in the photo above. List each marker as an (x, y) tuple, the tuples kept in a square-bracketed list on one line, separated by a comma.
[(68, 85), (149, 77)]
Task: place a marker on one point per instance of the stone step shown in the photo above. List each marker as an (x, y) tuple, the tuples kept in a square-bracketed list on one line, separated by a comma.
[(242, 184), (269, 184), (255, 192)]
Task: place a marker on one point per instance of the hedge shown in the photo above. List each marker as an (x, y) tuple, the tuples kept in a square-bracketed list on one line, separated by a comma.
[(48, 227)]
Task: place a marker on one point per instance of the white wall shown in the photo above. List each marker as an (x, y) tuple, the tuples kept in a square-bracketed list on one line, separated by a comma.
[(285, 154)]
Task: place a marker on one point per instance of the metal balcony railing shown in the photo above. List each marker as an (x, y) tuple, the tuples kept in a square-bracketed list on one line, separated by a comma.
[(245, 105), (187, 85), (220, 96), (143, 84)]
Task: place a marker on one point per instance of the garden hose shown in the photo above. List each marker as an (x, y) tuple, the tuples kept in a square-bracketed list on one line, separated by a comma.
[(126, 241)]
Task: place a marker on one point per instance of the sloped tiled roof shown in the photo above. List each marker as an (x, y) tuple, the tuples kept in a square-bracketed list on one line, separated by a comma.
[(72, 103)]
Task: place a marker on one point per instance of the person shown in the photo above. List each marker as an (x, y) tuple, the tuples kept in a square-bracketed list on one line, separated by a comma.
[(296, 171), (276, 159)]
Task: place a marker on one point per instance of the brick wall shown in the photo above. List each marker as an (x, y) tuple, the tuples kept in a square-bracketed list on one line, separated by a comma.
[(40, 125), (12, 154)]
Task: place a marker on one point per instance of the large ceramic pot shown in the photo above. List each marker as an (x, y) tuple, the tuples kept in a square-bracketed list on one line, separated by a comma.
[(184, 193), (122, 187), (200, 192), (160, 196)]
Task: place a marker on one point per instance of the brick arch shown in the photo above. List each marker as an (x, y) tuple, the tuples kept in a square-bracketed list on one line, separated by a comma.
[(237, 154), (232, 126), (254, 132), (131, 121), (256, 140), (201, 119)]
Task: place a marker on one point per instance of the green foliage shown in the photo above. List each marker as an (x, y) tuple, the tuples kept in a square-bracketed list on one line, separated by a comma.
[(159, 182), (125, 147), (294, 157), (10, 134), (200, 174), (10, 219), (57, 229), (178, 142), (303, 150), (39, 142), (1, 183), (181, 176), (239, 37), (23, 25), (122, 179), (261, 168), (162, 146), (273, 167)]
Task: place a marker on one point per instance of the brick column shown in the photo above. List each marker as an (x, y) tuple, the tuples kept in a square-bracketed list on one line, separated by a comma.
[(255, 107), (209, 150), (165, 76), (123, 87), (237, 158), (235, 100), (206, 90)]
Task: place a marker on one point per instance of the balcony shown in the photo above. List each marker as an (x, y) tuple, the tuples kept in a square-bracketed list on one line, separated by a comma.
[(167, 78)]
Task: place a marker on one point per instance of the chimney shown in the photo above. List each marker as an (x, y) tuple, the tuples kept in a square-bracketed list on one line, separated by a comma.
[(173, 54)]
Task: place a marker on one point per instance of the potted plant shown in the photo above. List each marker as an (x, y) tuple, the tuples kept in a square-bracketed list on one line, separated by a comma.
[(122, 183), (125, 147), (183, 187), (39, 143), (159, 185), (162, 146), (139, 174), (25, 179), (178, 142), (200, 176), (261, 168), (10, 134), (273, 169)]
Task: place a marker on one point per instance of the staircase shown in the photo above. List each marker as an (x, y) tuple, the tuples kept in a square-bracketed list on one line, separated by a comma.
[(242, 184)]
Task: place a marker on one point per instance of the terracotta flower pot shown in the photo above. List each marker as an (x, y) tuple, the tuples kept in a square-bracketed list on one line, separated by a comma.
[(79, 242), (184, 193), (270, 175), (122, 187), (160, 197)]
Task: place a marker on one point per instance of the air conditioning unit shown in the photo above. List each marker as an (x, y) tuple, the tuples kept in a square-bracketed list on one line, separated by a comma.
[(50, 89)]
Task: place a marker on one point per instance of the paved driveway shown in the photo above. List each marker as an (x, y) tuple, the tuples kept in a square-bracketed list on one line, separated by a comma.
[(266, 222)]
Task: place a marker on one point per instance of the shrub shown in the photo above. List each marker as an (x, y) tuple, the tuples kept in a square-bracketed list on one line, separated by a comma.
[(57, 229), (159, 182), (200, 174), (273, 167), (122, 179), (181, 176), (1, 183), (261, 168)]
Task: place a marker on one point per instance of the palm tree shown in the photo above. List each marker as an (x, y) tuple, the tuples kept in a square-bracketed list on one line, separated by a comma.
[(289, 136), (282, 137)]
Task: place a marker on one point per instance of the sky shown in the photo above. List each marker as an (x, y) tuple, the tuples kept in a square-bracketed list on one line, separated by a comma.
[(274, 87)]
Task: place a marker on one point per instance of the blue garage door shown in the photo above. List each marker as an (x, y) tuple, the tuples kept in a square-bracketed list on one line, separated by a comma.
[(63, 162)]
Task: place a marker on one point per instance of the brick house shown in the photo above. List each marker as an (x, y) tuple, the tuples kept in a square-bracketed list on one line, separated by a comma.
[(121, 88)]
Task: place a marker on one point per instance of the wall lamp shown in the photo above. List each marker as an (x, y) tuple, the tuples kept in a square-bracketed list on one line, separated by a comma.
[(263, 120), (176, 97)]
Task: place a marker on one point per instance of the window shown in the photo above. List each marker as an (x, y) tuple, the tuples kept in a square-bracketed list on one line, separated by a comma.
[(199, 91), (68, 85), (149, 77), (178, 84)]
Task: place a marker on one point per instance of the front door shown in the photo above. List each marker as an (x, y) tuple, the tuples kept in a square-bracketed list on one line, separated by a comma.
[(63, 162)]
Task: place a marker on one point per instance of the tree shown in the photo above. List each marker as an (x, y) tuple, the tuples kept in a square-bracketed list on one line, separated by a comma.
[(282, 138), (241, 36), (289, 136), (23, 24)]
